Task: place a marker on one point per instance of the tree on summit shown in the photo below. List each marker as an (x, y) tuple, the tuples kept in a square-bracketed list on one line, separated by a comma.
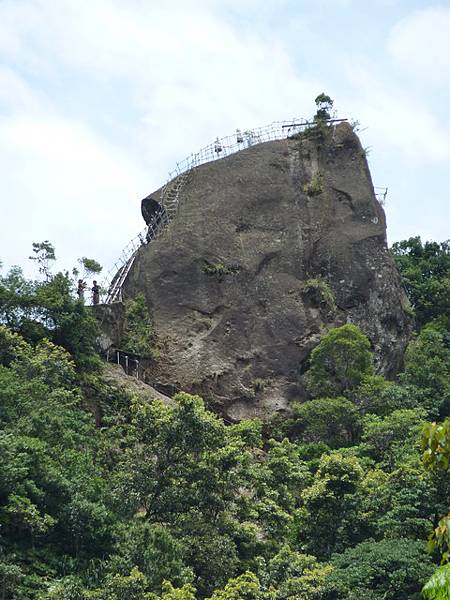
[(324, 105)]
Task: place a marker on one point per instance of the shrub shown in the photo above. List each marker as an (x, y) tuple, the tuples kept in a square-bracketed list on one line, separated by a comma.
[(139, 333), (219, 270), (321, 287), (315, 186)]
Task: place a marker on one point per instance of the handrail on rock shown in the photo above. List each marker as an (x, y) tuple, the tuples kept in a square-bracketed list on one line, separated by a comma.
[(177, 179)]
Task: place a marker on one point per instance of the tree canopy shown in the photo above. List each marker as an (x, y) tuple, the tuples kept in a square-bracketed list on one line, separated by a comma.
[(165, 500), (425, 272)]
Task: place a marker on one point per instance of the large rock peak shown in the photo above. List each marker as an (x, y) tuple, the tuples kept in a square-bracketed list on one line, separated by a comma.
[(270, 248)]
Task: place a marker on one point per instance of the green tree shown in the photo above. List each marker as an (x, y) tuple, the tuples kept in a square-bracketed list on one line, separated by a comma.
[(425, 272), (183, 467), (281, 478), (244, 587), (340, 362), (132, 586), (335, 421), (195, 464), (44, 254), (378, 396), (90, 266), (48, 309), (438, 586), (324, 106), (154, 550), (138, 333), (52, 495), (17, 301), (436, 455), (427, 367), (11, 576), (435, 443), (297, 575), (187, 592), (402, 503), (385, 570), (384, 438), (328, 520)]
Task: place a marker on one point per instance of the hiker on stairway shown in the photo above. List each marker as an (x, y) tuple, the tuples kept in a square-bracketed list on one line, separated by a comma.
[(95, 293), (217, 146)]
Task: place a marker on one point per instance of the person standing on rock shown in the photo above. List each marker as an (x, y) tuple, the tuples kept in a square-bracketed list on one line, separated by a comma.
[(95, 293), (80, 290), (217, 147)]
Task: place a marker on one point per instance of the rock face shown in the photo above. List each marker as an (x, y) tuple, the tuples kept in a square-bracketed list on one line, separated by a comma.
[(270, 248)]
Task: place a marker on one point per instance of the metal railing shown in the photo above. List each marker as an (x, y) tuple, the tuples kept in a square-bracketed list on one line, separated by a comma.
[(177, 178), (380, 194), (130, 362), (277, 130), (220, 148), (119, 271)]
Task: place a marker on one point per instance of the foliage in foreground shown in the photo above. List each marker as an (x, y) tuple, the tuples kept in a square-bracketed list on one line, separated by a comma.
[(157, 500), (438, 586)]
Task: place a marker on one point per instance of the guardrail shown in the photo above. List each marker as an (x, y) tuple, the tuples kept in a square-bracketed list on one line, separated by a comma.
[(130, 362), (230, 144), (220, 148), (380, 194)]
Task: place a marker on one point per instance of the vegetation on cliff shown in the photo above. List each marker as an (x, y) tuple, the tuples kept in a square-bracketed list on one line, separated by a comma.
[(106, 496)]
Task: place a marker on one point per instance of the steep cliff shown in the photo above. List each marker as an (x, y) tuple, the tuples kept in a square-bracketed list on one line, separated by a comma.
[(270, 248)]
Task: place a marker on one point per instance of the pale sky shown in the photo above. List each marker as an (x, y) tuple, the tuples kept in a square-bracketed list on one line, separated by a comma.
[(100, 98)]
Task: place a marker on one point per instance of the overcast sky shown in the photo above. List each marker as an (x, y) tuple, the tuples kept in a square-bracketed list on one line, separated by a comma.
[(100, 98)]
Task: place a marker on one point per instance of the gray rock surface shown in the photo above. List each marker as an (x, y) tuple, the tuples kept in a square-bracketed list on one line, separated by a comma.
[(239, 283), (115, 376)]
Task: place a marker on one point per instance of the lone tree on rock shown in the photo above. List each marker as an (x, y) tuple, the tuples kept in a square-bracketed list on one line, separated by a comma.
[(324, 105)]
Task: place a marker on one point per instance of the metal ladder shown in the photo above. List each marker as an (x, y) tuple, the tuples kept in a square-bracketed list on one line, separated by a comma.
[(115, 291), (170, 194), (169, 200)]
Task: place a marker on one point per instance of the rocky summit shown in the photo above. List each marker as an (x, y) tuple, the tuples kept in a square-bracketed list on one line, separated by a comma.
[(270, 247)]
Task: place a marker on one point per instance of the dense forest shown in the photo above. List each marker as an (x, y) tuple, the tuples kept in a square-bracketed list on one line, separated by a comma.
[(107, 496)]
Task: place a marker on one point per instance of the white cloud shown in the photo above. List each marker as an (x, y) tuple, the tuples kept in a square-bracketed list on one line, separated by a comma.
[(16, 94), (421, 42), (180, 74), (409, 150), (99, 99), (62, 182), (397, 120)]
